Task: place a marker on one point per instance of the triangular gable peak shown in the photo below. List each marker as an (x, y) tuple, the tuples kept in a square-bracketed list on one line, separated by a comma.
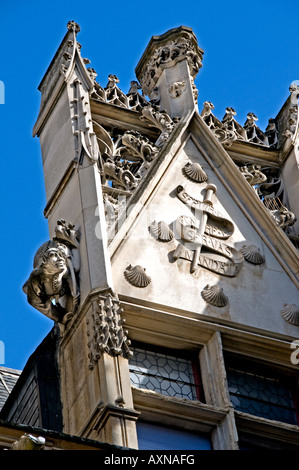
[(201, 241), (242, 185)]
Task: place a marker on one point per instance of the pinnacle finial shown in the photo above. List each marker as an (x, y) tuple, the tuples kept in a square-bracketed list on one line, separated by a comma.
[(73, 26)]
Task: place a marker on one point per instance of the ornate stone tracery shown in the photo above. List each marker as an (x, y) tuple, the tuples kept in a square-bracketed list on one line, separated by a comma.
[(125, 158)]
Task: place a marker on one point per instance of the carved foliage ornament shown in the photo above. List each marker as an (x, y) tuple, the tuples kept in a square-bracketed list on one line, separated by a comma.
[(177, 88), (53, 285), (125, 159), (228, 130), (105, 330)]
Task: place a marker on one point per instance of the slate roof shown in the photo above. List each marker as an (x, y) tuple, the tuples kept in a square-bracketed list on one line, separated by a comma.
[(8, 378)]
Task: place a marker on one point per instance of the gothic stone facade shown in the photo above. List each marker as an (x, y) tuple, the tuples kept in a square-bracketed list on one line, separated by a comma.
[(172, 266)]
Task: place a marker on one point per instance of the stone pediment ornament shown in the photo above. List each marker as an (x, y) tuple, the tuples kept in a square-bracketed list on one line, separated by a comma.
[(137, 276), (214, 295), (201, 238), (252, 254), (195, 172), (161, 231), (53, 285), (290, 313)]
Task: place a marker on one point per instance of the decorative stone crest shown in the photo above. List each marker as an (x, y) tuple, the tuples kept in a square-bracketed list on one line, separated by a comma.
[(229, 130), (53, 285), (105, 330), (204, 246)]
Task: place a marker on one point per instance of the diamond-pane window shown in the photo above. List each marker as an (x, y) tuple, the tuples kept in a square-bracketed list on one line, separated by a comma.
[(164, 373), (263, 393)]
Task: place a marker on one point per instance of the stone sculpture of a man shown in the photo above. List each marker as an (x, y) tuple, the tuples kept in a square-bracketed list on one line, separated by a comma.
[(52, 287)]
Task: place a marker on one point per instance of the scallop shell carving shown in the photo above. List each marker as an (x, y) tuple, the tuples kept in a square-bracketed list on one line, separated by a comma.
[(161, 231), (214, 295), (137, 276), (252, 254), (195, 172), (290, 313)]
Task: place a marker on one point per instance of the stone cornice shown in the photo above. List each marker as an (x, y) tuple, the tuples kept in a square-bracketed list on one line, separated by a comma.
[(166, 326), (240, 151)]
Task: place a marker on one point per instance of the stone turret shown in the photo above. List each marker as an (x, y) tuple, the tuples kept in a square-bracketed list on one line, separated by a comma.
[(168, 68)]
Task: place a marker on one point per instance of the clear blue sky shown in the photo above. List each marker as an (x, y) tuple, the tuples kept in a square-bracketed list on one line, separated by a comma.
[(251, 57)]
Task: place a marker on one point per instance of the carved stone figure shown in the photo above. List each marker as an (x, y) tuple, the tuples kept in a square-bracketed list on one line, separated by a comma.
[(52, 287)]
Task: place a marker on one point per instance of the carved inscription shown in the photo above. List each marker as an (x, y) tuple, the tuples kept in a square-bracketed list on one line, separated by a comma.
[(204, 237)]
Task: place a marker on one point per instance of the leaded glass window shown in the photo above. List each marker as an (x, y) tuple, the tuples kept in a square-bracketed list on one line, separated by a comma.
[(262, 394), (163, 373)]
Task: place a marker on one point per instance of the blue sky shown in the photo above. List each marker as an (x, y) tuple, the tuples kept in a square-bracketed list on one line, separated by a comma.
[(251, 57)]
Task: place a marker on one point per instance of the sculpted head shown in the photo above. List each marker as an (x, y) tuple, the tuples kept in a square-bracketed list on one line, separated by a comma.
[(51, 258), (54, 260)]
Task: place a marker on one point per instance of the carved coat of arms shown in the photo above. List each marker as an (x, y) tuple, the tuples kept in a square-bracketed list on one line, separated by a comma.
[(202, 236)]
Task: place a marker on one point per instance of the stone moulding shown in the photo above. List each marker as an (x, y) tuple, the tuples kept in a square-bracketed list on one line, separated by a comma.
[(105, 330), (137, 276), (214, 295), (290, 313)]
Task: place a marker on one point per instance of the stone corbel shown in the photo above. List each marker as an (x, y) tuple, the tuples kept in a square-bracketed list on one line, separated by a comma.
[(105, 330)]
